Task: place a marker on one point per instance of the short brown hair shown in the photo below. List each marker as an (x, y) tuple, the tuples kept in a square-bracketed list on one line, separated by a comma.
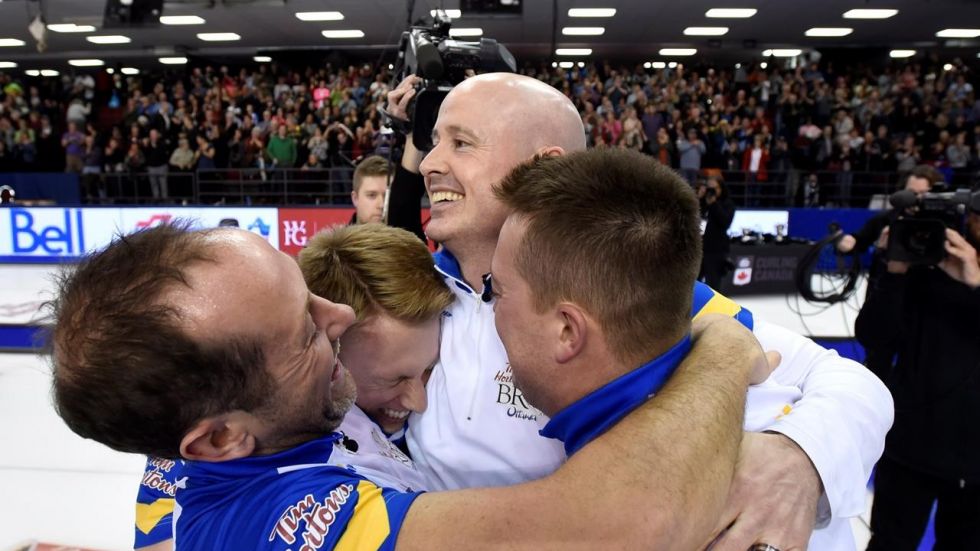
[(374, 165), (372, 268), (125, 373), (928, 173), (616, 232)]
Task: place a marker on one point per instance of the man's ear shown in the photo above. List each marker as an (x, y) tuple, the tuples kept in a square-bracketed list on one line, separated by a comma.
[(574, 332), (219, 438), (550, 151)]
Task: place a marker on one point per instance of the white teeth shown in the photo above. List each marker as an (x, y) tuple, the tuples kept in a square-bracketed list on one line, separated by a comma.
[(396, 413), (445, 196)]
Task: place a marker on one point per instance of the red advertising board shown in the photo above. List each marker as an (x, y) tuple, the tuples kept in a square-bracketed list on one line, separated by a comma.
[(297, 226)]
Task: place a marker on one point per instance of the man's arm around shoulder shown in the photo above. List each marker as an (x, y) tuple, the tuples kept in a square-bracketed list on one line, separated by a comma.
[(658, 479)]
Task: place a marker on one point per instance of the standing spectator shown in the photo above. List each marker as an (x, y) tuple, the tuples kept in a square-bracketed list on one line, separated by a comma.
[(182, 159), (92, 169), (811, 192), (281, 149), (74, 143), (663, 149), (690, 150), (205, 154), (25, 152), (78, 112), (957, 153), (755, 163), (718, 211), (155, 153), (781, 167), (908, 155)]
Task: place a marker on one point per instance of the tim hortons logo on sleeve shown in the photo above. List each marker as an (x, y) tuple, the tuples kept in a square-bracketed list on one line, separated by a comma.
[(319, 517), (155, 480), (162, 464), (510, 396)]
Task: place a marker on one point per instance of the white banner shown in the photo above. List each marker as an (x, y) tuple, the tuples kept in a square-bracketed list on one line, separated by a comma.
[(52, 234)]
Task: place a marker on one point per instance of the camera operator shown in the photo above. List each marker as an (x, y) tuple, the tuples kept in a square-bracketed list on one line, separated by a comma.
[(718, 210), (920, 181), (929, 316)]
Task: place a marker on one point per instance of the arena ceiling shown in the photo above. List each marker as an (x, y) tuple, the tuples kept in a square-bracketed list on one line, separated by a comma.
[(639, 29)]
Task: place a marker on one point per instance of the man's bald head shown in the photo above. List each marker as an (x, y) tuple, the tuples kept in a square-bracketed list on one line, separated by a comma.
[(535, 111)]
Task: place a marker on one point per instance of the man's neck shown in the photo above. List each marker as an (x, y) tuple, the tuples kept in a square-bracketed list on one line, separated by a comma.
[(474, 262)]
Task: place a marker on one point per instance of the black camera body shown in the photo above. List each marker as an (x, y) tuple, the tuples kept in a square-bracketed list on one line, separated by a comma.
[(442, 63), (919, 235)]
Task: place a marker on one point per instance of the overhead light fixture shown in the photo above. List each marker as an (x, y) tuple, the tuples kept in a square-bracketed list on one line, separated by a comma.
[(130, 71), (672, 65), (646, 65), (583, 31), (181, 20), (573, 51), (763, 65), (705, 31), (32, 73), (829, 31), (581, 64), (70, 28), (219, 37), (730, 13), (319, 16), (7, 65), (869, 14), (42, 73), (262, 59), (173, 60), (452, 14), (554, 64), (671, 52), (738, 65), (898, 54), (958, 33), (566, 64), (948, 67), (86, 62), (782, 52), (466, 31), (591, 12), (658, 65), (11, 42), (110, 70), (109, 39), (352, 33)]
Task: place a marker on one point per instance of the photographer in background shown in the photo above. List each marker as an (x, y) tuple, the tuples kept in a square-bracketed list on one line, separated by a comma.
[(929, 316), (718, 210), (920, 181)]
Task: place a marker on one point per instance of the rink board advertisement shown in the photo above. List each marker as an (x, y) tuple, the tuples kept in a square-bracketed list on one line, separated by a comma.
[(56, 234)]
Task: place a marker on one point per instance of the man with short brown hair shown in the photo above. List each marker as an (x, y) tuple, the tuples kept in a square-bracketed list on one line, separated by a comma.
[(370, 186)]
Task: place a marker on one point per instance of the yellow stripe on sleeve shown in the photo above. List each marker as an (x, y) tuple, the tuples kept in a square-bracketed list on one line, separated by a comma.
[(719, 304), (148, 515), (368, 527)]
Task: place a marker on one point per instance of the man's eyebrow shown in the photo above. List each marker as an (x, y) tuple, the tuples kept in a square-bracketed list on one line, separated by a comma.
[(456, 129)]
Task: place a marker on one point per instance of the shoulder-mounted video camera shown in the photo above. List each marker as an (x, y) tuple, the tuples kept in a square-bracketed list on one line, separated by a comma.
[(442, 62), (919, 235)]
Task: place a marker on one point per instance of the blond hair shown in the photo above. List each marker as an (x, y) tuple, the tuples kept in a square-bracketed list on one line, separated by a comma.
[(375, 268)]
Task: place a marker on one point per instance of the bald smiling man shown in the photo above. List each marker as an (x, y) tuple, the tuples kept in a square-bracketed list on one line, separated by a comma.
[(802, 471)]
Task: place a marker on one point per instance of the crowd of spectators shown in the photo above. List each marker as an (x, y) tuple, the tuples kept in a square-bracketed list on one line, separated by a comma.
[(755, 125)]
